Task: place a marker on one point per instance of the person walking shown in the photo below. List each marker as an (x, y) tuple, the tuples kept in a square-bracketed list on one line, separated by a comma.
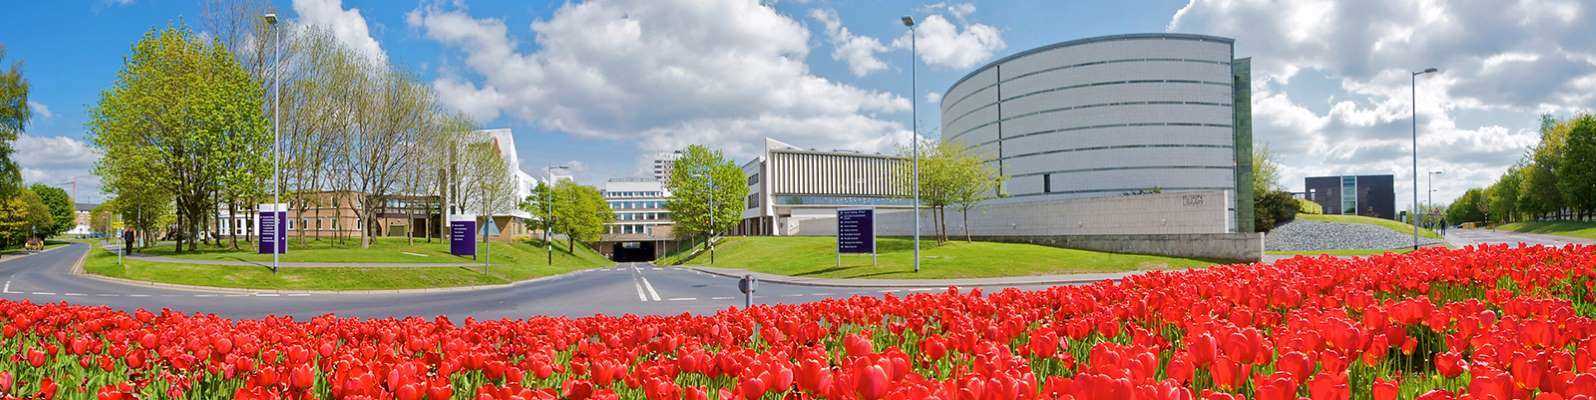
[(127, 241)]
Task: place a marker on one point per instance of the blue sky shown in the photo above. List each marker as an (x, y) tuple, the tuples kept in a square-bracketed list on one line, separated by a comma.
[(604, 83)]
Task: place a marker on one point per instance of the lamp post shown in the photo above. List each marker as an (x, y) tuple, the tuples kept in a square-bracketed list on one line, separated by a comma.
[(1413, 89), (548, 226), (1430, 194), (277, 80), (709, 180), (914, 137)]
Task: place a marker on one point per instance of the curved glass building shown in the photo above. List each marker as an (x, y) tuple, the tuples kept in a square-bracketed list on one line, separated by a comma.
[(1111, 116)]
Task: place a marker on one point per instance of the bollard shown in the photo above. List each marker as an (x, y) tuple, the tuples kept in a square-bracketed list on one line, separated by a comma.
[(747, 285)]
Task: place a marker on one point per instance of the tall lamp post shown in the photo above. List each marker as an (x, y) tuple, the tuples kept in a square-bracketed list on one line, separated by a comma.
[(1430, 194), (710, 180), (548, 226), (277, 80), (1413, 89), (914, 137)]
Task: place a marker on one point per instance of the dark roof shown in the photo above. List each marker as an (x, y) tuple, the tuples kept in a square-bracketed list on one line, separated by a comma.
[(86, 206), (1077, 42)]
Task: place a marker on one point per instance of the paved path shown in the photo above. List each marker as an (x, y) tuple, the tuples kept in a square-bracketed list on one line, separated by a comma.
[(622, 289), (1465, 237)]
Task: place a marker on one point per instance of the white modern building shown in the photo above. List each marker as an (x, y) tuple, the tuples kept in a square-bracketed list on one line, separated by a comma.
[(642, 230), (788, 184), (1111, 116), (663, 163)]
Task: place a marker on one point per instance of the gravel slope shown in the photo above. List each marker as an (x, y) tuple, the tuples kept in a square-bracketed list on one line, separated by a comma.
[(1310, 235)]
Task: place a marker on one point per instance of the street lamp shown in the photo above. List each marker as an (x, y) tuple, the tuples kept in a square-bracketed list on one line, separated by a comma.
[(914, 137), (1414, 93), (710, 180), (1430, 194), (548, 225), (277, 80)]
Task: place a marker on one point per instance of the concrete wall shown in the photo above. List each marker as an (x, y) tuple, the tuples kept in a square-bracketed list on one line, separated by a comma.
[(1186, 224), (1162, 213), (1246, 247)]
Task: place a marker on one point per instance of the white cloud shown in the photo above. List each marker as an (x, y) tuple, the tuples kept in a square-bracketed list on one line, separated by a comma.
[(41, 110), (858, 51), (942, 43), (660, 74), (1502, 64), (56, 161), (933, 97), (346, 25)]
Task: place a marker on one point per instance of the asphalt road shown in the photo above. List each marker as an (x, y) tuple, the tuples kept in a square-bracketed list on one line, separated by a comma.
[(624, 289), (1464, 237)]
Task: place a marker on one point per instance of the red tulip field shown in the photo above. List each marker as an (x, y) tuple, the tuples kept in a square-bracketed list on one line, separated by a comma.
[(1475, 323)]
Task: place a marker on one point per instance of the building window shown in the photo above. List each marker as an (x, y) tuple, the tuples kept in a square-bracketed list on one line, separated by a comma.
[(753, 201), (1047, 183), (1349, 195)]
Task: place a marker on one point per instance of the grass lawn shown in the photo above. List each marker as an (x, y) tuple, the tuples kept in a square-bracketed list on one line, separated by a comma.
[(816, 257), (1398, 226), (1579, 229), (1343, 252), (511, 262), (382, 250)]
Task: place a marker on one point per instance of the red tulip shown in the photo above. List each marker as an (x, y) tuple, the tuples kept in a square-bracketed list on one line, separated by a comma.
[(858, 345), (873, 383), (1450, 365), (1385, 389)]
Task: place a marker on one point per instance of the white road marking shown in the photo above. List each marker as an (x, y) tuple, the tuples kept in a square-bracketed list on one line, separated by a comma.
[(820, 294), (890, 291), (8, 288), (793, 295), (298, 294), (236, 295), (683, 299), (720, 298), (72, 294), (650, 287), (658, 269), (108, 295), (266, 294), (138, 295), (45, 293), (204, 295), (639, 286)]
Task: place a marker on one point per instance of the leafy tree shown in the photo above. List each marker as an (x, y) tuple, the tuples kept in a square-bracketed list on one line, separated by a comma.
[(1265, 171), (692, 191), (63, 214), (580, 212), (21, 217), (489, 179), (951, 175), (178, 107), (1504, 196), (1468, 207), (539, 204), (1539, 193), (14, 114), (1576, 170)]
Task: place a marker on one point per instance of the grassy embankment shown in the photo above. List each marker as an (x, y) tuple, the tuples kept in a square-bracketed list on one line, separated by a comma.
[(813, 256), (1578, 229), (511, 262)]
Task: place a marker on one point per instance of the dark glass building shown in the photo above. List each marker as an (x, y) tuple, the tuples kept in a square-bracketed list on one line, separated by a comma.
[(1366, 195)]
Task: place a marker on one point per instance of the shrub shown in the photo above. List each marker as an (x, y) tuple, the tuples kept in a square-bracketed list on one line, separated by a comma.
[(1305, 206), (1274, 209)]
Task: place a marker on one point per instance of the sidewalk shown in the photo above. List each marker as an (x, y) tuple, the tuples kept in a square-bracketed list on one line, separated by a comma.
[(1067, 279)]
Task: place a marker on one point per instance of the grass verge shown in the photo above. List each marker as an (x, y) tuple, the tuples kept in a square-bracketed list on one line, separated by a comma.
[(512, 262), (816, 257), (1579, 229), (1398, 226)]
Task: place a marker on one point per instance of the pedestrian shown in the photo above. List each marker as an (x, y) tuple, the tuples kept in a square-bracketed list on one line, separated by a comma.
[(1443, 227), (127, 241)]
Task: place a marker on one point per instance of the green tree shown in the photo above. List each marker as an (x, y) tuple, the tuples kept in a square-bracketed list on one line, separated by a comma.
[(580, 212), (178, 107), (1539, 194), (1504, 196), (21, 217), (953, 176), (489, 180), (63, 214), (1265, 171), (1467, 208), (539, 204), (1272, 209), (699, 176), (14, 114), (1576, 169)]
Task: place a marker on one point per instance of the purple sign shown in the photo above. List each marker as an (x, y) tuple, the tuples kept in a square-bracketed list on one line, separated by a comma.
[(273, 232), (856, 231), (463, 238)]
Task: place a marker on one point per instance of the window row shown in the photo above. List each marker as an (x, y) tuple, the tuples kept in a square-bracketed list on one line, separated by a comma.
[(641, 204), (643, 216)]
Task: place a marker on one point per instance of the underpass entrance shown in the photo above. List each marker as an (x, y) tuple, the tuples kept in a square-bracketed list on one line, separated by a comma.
[(633, 251)]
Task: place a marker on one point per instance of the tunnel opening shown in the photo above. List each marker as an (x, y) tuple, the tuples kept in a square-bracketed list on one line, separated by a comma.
[(633, 252)]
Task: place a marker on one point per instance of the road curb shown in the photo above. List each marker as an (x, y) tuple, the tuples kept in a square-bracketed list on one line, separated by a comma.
[(77, 270), (38, 253), (929, 283)]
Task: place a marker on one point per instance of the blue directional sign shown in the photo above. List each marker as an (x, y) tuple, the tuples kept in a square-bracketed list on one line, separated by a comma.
[(856, 230)]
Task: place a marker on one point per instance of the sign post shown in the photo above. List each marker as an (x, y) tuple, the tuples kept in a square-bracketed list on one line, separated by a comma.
[(272, 227), (463, 235), (856, 232)]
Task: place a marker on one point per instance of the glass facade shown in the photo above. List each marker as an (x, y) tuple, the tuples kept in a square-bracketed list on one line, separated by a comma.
[(1349, 195)]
